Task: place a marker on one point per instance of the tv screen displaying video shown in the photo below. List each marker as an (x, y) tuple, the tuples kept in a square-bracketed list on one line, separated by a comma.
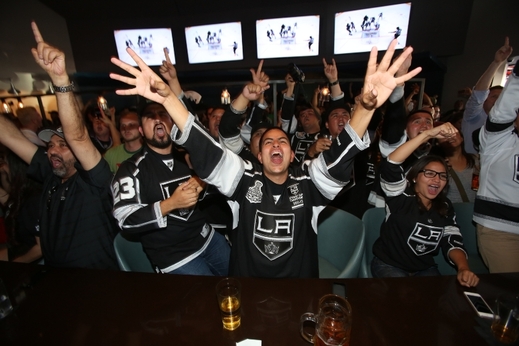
[(214, 43), (287, 37), (358, 31), (149, 44)]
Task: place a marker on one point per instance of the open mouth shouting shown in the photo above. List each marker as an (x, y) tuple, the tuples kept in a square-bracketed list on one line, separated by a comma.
[(160, 130), (56, 161), (276, 156)]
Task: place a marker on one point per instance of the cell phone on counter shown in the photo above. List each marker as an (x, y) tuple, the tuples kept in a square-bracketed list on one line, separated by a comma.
[(479, 305), (339, 289)]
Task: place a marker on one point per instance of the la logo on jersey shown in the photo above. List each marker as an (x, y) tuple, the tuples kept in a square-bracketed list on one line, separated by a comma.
[(168, 187), (424, 239), (273, 234)]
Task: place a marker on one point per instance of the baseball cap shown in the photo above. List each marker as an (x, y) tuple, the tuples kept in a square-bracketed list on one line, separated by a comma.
[(46, 135)]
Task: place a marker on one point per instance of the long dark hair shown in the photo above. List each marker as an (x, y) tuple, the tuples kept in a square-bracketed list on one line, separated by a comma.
[(439, 204)]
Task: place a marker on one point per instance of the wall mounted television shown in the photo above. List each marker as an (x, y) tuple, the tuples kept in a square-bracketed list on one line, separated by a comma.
[(287, 37), (214, 43), (149, 44), (359, 30)]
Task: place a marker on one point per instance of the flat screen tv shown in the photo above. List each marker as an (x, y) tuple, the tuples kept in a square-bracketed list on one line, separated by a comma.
[(149, 44), (287, 37), (358, 31), (214, 43)]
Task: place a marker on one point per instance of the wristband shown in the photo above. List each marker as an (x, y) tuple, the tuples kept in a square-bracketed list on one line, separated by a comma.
[(64, 89), (334, 83)]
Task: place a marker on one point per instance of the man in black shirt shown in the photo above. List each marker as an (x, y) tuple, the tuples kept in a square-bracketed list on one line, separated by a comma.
[(76, 228)]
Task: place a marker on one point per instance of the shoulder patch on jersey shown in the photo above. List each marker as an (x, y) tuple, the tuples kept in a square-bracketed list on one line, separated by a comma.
[(424, 239), (273, 234), (300, 135), (254, 194)]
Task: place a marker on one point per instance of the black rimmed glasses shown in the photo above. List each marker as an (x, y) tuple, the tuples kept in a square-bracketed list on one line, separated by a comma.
[(429, 173)]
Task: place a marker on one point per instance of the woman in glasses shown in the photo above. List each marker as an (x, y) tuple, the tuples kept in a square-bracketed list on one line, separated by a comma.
[(420, 218)]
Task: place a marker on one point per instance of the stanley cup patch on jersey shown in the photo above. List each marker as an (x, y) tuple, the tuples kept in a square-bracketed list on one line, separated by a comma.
[(424, 239), (273, 234), (168, 188), (254, 193)]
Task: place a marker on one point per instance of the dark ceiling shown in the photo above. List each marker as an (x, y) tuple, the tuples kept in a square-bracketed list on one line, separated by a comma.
[(106, 9)]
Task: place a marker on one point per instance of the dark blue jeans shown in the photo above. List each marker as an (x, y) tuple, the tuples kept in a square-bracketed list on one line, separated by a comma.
[(214, 260), (381, 269)]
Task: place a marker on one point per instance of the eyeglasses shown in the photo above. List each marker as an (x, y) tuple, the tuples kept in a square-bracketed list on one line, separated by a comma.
[(431, 174)]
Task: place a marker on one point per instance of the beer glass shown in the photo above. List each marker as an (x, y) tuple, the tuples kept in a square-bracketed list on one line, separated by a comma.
[(331, 325), (228, 292), (505, 325)]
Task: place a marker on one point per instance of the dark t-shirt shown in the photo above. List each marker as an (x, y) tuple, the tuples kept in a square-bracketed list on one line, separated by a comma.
[(77, 228)]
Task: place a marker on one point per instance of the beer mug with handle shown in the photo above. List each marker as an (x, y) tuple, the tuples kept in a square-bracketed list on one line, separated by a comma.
[(331, 325)]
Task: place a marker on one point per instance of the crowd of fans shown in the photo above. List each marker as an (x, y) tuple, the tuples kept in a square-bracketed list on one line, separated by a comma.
[(228, 191)]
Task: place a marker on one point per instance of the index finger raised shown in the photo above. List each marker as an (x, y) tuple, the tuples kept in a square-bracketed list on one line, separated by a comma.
[(36, 32), (260, 66), (166, 54)]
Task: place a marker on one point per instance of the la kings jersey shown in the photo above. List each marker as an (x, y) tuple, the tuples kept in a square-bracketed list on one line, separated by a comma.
[(410, 238), (272, 239), (138, 187), (497, 200)]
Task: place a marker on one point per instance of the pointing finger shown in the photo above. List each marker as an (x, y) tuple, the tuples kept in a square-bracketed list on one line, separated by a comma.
[(36, 32)]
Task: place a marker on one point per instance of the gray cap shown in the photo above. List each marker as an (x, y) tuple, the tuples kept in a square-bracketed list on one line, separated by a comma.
[(46, 135)]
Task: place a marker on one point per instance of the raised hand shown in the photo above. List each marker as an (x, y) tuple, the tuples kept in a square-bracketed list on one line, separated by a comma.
[(445, 130), (380, 79), (404, 68), (330, 71), (50, 58), (146, 82), (167, 69), (253, 91), (259, 77), (504, 52)]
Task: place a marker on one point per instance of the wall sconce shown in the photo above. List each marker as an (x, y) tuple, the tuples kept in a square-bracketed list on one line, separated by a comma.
[(6, 108), (103, 104), (324, 95), (226, 97), (13, 90), (20, 103)]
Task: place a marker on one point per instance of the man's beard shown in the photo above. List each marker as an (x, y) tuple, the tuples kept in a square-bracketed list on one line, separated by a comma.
[(157, 143), (62, 171)]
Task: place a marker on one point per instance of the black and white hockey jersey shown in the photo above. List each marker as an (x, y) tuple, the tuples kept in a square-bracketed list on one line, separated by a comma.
[(138, 187), (410, 238), (269, 238)]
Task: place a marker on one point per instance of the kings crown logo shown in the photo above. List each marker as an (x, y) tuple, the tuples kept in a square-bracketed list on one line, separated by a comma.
[(271, 249)]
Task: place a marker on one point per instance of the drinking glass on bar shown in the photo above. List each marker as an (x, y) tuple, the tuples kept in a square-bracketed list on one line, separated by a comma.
[(228, 292), (505, 325)]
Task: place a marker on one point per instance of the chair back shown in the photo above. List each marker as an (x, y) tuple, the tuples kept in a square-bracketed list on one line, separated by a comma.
[(130, 255), (340, 243), (464, 212), (372, 220)]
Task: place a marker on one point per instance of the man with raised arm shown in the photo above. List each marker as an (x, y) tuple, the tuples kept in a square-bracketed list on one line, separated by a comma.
[(275, 205), (496, 209), (76, 226), (483, 98)]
